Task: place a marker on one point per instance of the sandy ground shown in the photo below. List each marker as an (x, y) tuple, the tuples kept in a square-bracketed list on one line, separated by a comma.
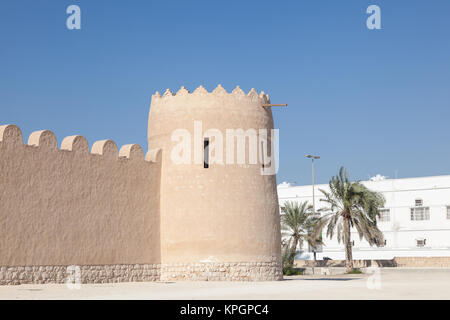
[(388, 284)]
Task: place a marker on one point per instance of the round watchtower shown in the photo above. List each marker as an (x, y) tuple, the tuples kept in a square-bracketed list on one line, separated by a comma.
[(219, 215)]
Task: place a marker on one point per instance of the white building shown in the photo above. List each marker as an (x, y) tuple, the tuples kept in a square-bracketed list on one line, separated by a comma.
[(415, 220)]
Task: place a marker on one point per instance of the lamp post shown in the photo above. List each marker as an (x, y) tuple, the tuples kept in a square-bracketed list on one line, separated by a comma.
[(309, 156), (312, 163)]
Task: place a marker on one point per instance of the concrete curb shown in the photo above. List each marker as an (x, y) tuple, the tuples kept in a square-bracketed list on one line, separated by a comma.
[(368, 270)]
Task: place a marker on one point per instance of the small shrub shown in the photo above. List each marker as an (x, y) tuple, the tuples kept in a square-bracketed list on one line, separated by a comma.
[(355, 271), (290, 271)]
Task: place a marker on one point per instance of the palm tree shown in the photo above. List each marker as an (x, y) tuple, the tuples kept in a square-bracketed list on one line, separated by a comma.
[(350, 204), (297, 224)]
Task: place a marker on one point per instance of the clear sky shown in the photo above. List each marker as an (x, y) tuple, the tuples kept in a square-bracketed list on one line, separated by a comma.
[(375, 101)]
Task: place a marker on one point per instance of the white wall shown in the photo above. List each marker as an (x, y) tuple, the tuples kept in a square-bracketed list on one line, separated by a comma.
[(400, 232)]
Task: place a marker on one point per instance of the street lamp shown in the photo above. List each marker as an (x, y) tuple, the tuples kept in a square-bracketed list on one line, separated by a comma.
[(312, 159), (309, 156)]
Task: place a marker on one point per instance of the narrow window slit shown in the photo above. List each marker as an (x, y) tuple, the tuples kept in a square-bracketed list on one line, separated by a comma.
[(206, 153)]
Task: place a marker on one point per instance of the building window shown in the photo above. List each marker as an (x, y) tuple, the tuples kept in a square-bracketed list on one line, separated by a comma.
[(418, 202), (262, 154), (421, 242), (448, 212), (206, 153), (420, 213), (385, 215)]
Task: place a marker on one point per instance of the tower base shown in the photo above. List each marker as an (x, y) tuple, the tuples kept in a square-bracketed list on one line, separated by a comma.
[(216, 271), (210, 271)]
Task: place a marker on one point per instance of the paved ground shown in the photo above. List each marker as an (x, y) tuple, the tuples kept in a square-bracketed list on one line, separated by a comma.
[(395, 284)]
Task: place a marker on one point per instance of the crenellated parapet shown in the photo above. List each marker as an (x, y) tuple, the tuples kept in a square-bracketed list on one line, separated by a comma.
[(218, 91), (217, 109), (11, 137), (252, 97)]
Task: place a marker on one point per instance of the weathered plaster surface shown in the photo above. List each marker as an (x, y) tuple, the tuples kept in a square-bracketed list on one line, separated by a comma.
[(228, 212), (68, 206)]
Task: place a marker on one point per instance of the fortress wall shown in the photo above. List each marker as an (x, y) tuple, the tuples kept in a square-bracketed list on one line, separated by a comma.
[(61, 207)]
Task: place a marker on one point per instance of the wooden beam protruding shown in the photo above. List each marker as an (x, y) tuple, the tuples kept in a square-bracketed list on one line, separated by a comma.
[(275, 105)]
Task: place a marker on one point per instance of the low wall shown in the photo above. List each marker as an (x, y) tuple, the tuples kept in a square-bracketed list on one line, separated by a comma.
[(69, 206), (410, 262), (442, 262)]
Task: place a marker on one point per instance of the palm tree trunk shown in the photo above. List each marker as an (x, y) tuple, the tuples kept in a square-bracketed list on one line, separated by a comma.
[(348, 246), (294, 249)]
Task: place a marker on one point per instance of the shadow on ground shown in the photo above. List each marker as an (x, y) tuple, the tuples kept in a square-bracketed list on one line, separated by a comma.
[(321, 279), (331, 279)]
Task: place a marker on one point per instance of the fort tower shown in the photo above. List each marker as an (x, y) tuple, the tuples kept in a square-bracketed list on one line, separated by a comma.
[(220, 220)]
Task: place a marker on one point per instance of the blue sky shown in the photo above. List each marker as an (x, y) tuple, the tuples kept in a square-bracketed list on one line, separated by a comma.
[(375, 101)]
